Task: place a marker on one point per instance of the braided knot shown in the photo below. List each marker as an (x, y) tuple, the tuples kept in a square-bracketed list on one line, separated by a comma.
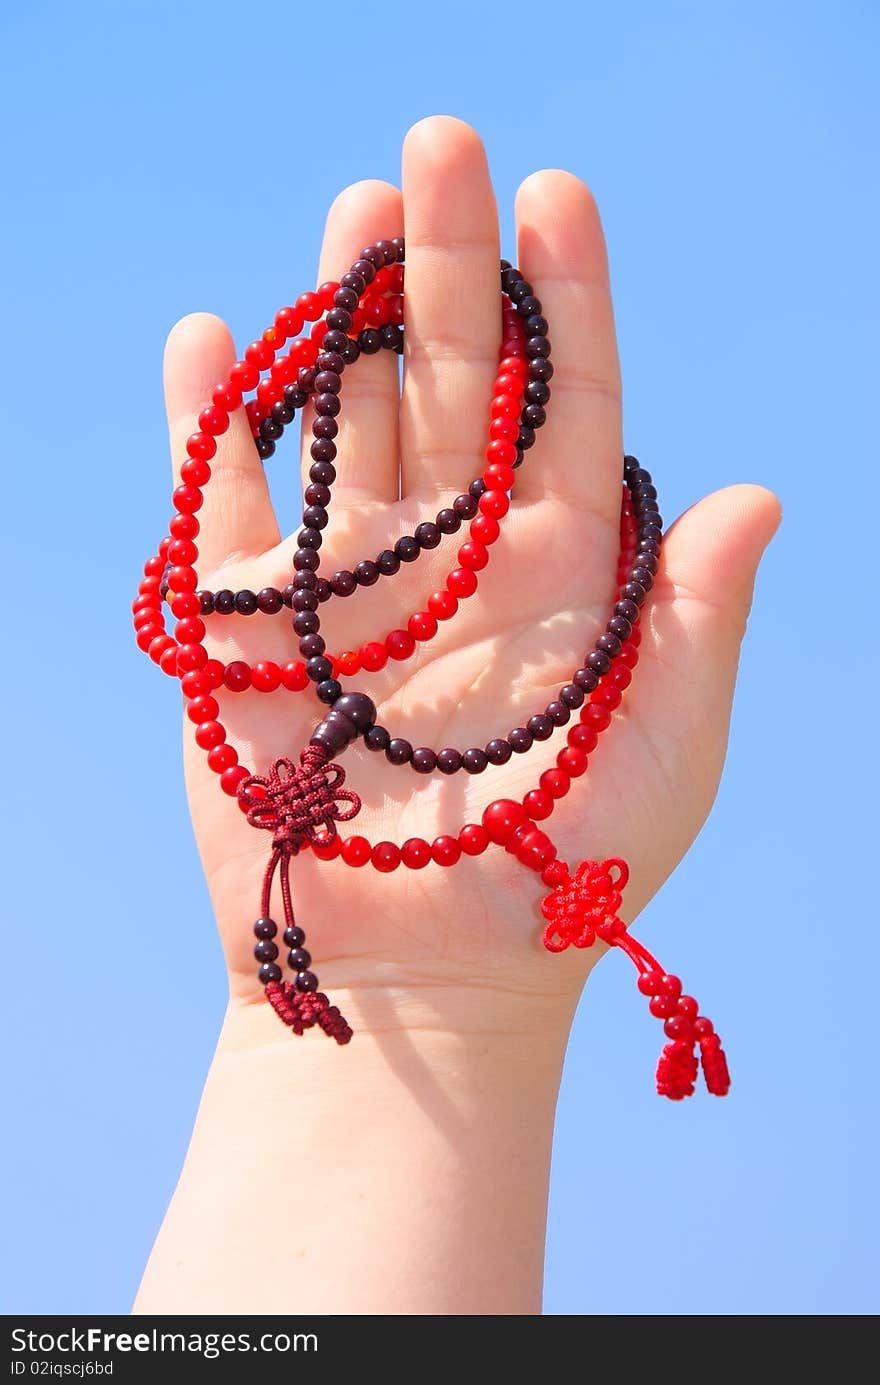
[(583, 906), (299, 803)]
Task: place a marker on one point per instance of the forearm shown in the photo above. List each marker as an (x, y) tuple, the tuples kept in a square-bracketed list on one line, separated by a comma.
[(406, 1173)]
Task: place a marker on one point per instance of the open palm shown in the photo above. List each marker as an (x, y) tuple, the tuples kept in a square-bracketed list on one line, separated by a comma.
[(410, 944)]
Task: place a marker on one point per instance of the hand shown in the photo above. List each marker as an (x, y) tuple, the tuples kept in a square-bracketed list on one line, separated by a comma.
[(459, 948)]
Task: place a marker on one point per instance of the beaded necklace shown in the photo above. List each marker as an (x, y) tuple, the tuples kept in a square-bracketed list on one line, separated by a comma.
[(301, 801)]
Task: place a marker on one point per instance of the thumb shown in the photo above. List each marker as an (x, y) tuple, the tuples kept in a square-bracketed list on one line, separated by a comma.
[(695, 623)]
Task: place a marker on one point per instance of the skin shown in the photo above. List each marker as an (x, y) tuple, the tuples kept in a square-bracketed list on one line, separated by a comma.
[(418, 1157)]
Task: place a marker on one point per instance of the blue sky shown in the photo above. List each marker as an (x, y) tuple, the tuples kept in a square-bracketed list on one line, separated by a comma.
[(160, 158)]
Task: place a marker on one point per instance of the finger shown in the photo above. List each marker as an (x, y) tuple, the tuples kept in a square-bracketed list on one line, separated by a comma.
[(696, 621), (453, 305), (561, 251), (237, 517), (368, 459)]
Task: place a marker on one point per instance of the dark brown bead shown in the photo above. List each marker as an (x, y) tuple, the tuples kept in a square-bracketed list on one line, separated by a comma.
[(588, 680), (407, 548), (520, 740), (388, 562), (399, 751), (424, 760), (366, 573), (427, 535), (377, 738), (540, 726), (269, 601), (474, 760), (498, 751), (343, 583), (558, 713), (448, 522), (449, 761), (359, 708)]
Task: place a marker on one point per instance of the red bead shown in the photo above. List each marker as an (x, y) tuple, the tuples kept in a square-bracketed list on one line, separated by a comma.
[(304, 351), (146, 615), (442, 605), (473, 556), (210, 734), (260, 354), (147, 633), (159, 645), (231, 778), (195, 472), (501, 819), (501, 452), (289, 321), (484, 529), (498, 477), (595, 715), (473, 839), (621, 676), (671, 986), (507, 383), (385, 856), (649, 982), (400, 644), (661, 1006), (504, 429), (607, 696), (213, 671), (226, 397), (326, 292), (185, 604), (154, 567), (422, 626), (356, 851), (201, 446), (237, 676), (244, 375), (494, 503), (187, 499), (191, 657), (629, 655), (168, 663), (583, 738), (266, 676), (194, 684), (182, 551), (151, 602), (309, 304), (148, 585), (269, 391), (504, 406), (572, 762), (445, 850), (349, 662), (688, 1007), (203, 709), (294, 676), (189, 631), (373, 656), (555, 782), (213, 420), (183, 579), (536, 850), (222, 757), (415, 853), (635, 636), (183, 527), (513, 365), (538, 804), (461, 582)]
